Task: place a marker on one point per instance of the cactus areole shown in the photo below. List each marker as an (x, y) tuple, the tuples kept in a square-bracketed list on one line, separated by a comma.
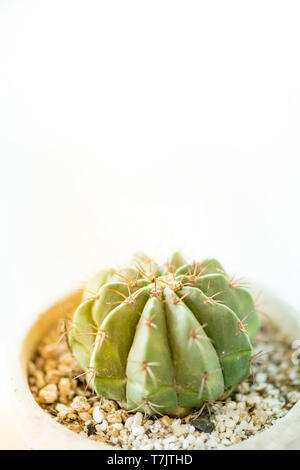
[(164, 339)]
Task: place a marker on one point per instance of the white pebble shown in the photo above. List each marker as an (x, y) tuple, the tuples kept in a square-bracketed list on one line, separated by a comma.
[(102, 427), (138, 419), (129, 422), (229, 423), (261, 377), (181, 429), (118, 426), (62, 410), (98, 414), (138, 430), (212, 443)]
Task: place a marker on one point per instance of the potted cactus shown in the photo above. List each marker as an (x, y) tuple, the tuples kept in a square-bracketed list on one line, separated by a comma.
[(163, 340), (158, 343)]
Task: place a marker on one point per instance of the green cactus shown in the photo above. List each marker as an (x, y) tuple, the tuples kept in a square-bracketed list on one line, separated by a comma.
[(164, 339)]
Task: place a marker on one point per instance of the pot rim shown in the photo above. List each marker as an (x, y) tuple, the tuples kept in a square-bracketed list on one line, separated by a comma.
[(40, 431)]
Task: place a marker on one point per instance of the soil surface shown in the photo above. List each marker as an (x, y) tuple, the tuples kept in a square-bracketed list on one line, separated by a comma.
[(59, 387)]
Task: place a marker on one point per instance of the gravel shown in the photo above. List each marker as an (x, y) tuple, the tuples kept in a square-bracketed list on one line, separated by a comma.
[(60, 389)]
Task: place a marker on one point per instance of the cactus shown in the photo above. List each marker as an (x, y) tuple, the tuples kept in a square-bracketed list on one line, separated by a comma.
[(164, 339)]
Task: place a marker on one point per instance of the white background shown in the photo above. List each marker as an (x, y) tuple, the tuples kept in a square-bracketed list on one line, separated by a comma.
[(130, 125)]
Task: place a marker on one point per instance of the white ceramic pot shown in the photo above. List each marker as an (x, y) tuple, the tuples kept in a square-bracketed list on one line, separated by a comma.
[(40, 431)]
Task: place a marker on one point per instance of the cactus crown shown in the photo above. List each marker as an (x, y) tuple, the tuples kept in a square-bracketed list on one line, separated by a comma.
[(164, 339)]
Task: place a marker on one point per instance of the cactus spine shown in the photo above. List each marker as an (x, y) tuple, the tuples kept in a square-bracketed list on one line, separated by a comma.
[(164, 339)]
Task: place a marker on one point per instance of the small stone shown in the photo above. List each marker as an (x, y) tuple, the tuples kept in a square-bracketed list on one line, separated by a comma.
[(244, 387), (113, 433), (261, 377), (40, 379), (102, 427), (91, 430), (64, 386), (67, 359), (99, 438), (31, 368), (50, 364), (166, 420), (138, 419), (212, 443), (98, 414), (138, 430), (293, 397), (39, 363), (129, 422), (62, 410), (74, 427), (203, 424), (52, 376), (115, 417), (118, 426), (109, 405), (180, 429), (229, 423), (65, 370), (236, 439), (155, 427), (50, 351), (260, 418), (80, 404), (84, 416), (48, 394)]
